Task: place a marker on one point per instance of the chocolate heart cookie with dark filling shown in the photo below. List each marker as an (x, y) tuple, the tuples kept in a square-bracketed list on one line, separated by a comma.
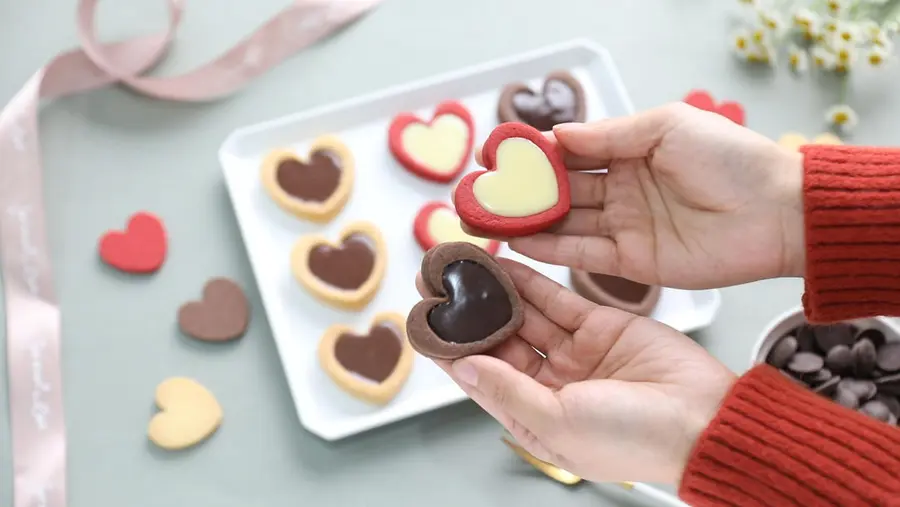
[(372, 367), (616, 292), (561, 100), (347, 274), (316, 188), (474, 307)]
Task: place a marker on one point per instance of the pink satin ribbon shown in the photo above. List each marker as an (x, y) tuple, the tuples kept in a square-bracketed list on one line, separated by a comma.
[(32, 312)]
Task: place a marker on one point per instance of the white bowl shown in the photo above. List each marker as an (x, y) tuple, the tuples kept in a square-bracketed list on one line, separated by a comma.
[(794, 318)]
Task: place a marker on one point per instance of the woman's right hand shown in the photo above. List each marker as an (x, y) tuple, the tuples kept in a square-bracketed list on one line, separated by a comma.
[(691, 200)]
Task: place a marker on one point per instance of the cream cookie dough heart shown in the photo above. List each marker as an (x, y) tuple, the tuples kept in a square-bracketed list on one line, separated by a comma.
[(188, 414), (523, 183), (440, 146)]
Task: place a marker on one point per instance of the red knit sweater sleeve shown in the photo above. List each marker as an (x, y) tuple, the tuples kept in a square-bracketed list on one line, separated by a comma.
[(852, 217), (774, 443)]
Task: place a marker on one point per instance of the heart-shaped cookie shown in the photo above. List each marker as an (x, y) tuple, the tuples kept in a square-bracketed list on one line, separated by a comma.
[(437, 150), (189, 414), (474, 306), (702, 99), (222, 314), (372, 367), (141, 248), (616, 292), (346, 274), (315, 189), (561, 100), (437, 223), (524, 190), (793, 141)]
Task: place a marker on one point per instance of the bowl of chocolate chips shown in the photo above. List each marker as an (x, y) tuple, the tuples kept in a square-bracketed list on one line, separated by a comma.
[(855, 363)]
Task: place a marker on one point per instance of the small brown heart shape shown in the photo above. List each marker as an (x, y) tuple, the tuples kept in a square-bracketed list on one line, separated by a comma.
[(372, 367), (315, 189), (222, 314), (616, 292), (346, 274), (475, 306), (561, 100)]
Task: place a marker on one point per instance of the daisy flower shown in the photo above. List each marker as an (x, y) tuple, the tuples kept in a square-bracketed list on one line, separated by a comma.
[(848, 32), (798, 59), (740, 42), (830, 25), (836, 7), (822, 58), (876, 56), (845, 56), (842, 116), (771, 20), (805, 19)]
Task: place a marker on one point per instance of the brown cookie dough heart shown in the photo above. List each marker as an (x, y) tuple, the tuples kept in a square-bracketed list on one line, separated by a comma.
[(372, 367), (316, 188), (616, 292), (561, 100), (222, 314), (345, 274), (475, 307)]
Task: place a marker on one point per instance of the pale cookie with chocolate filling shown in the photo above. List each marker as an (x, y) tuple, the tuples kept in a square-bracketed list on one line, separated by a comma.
[(345, 274), (373, 366), (315, 188)]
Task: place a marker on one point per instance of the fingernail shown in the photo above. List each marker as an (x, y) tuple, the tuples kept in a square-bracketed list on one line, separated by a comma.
[(465, 372), (568, 127)]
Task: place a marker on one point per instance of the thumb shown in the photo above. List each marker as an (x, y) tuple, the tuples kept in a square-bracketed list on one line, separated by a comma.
[(617, 138), (497, 386)]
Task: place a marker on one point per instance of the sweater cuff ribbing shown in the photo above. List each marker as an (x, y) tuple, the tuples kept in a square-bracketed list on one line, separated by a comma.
[(776, 443), (852, 226)]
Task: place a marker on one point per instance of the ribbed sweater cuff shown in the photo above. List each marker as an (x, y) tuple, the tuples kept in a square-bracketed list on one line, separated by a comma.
[(852, 216), (776, 443)]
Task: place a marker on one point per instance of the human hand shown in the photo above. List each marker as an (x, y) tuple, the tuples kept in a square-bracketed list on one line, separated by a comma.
[(615, 397), (691, 200)]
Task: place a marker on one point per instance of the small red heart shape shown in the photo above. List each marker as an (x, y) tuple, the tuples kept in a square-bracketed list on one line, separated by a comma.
[(524, 190), (702, 99), (141, 248), (438, 223), (437, 150)]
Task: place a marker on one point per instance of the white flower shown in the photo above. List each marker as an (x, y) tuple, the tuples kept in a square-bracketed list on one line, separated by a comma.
[(805, 19), (869, 29), (830, 25), (823, 58), (842, 116), (798, 59), (848, 32), (877, 55), (845, 56), (836, 7), (771, 20), (884, 41), (740, 42)]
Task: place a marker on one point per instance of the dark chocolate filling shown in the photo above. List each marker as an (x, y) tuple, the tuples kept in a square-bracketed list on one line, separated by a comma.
[(558, 103), (314, 181), (373, 356), (478, 304), (621, 288), (346, 267)]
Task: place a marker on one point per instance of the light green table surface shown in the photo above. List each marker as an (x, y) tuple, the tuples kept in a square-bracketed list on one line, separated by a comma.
[(111, 152)]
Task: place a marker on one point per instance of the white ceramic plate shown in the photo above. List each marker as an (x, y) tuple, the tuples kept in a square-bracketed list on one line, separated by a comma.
[(389, 196)]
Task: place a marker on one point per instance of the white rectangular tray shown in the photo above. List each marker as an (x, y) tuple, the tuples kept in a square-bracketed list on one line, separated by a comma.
[(389, 196)]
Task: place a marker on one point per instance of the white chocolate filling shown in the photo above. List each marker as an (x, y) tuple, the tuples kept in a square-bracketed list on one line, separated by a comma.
[(440, 146), (523, 183), (443, 227)]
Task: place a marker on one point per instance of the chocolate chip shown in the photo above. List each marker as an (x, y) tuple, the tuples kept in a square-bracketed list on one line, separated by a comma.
[(845, 398), (806, 339), (820, 376), (839, 358), (864, 390), (805, 362), (877, 409), (873, 335), (864, 355), (889, 357), (782, 352), (828, 387), (889, 384), (792, 377), (828, 337), (891, 401)]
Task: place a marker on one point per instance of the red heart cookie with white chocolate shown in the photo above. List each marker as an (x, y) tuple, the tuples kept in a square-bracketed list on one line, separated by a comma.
[(524, 190), (437, 223), (437, 150)]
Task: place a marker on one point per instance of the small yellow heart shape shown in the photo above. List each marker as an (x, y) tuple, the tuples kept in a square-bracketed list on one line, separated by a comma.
[(443, 226), (189, 414), (439, 146), (522, 184), (793, 140)]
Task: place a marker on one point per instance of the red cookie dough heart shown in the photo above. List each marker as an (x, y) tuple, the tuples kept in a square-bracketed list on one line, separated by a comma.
[(524, 190), (141, 248), (702, 99), (222, 314), (437, 150), (438, 223)]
